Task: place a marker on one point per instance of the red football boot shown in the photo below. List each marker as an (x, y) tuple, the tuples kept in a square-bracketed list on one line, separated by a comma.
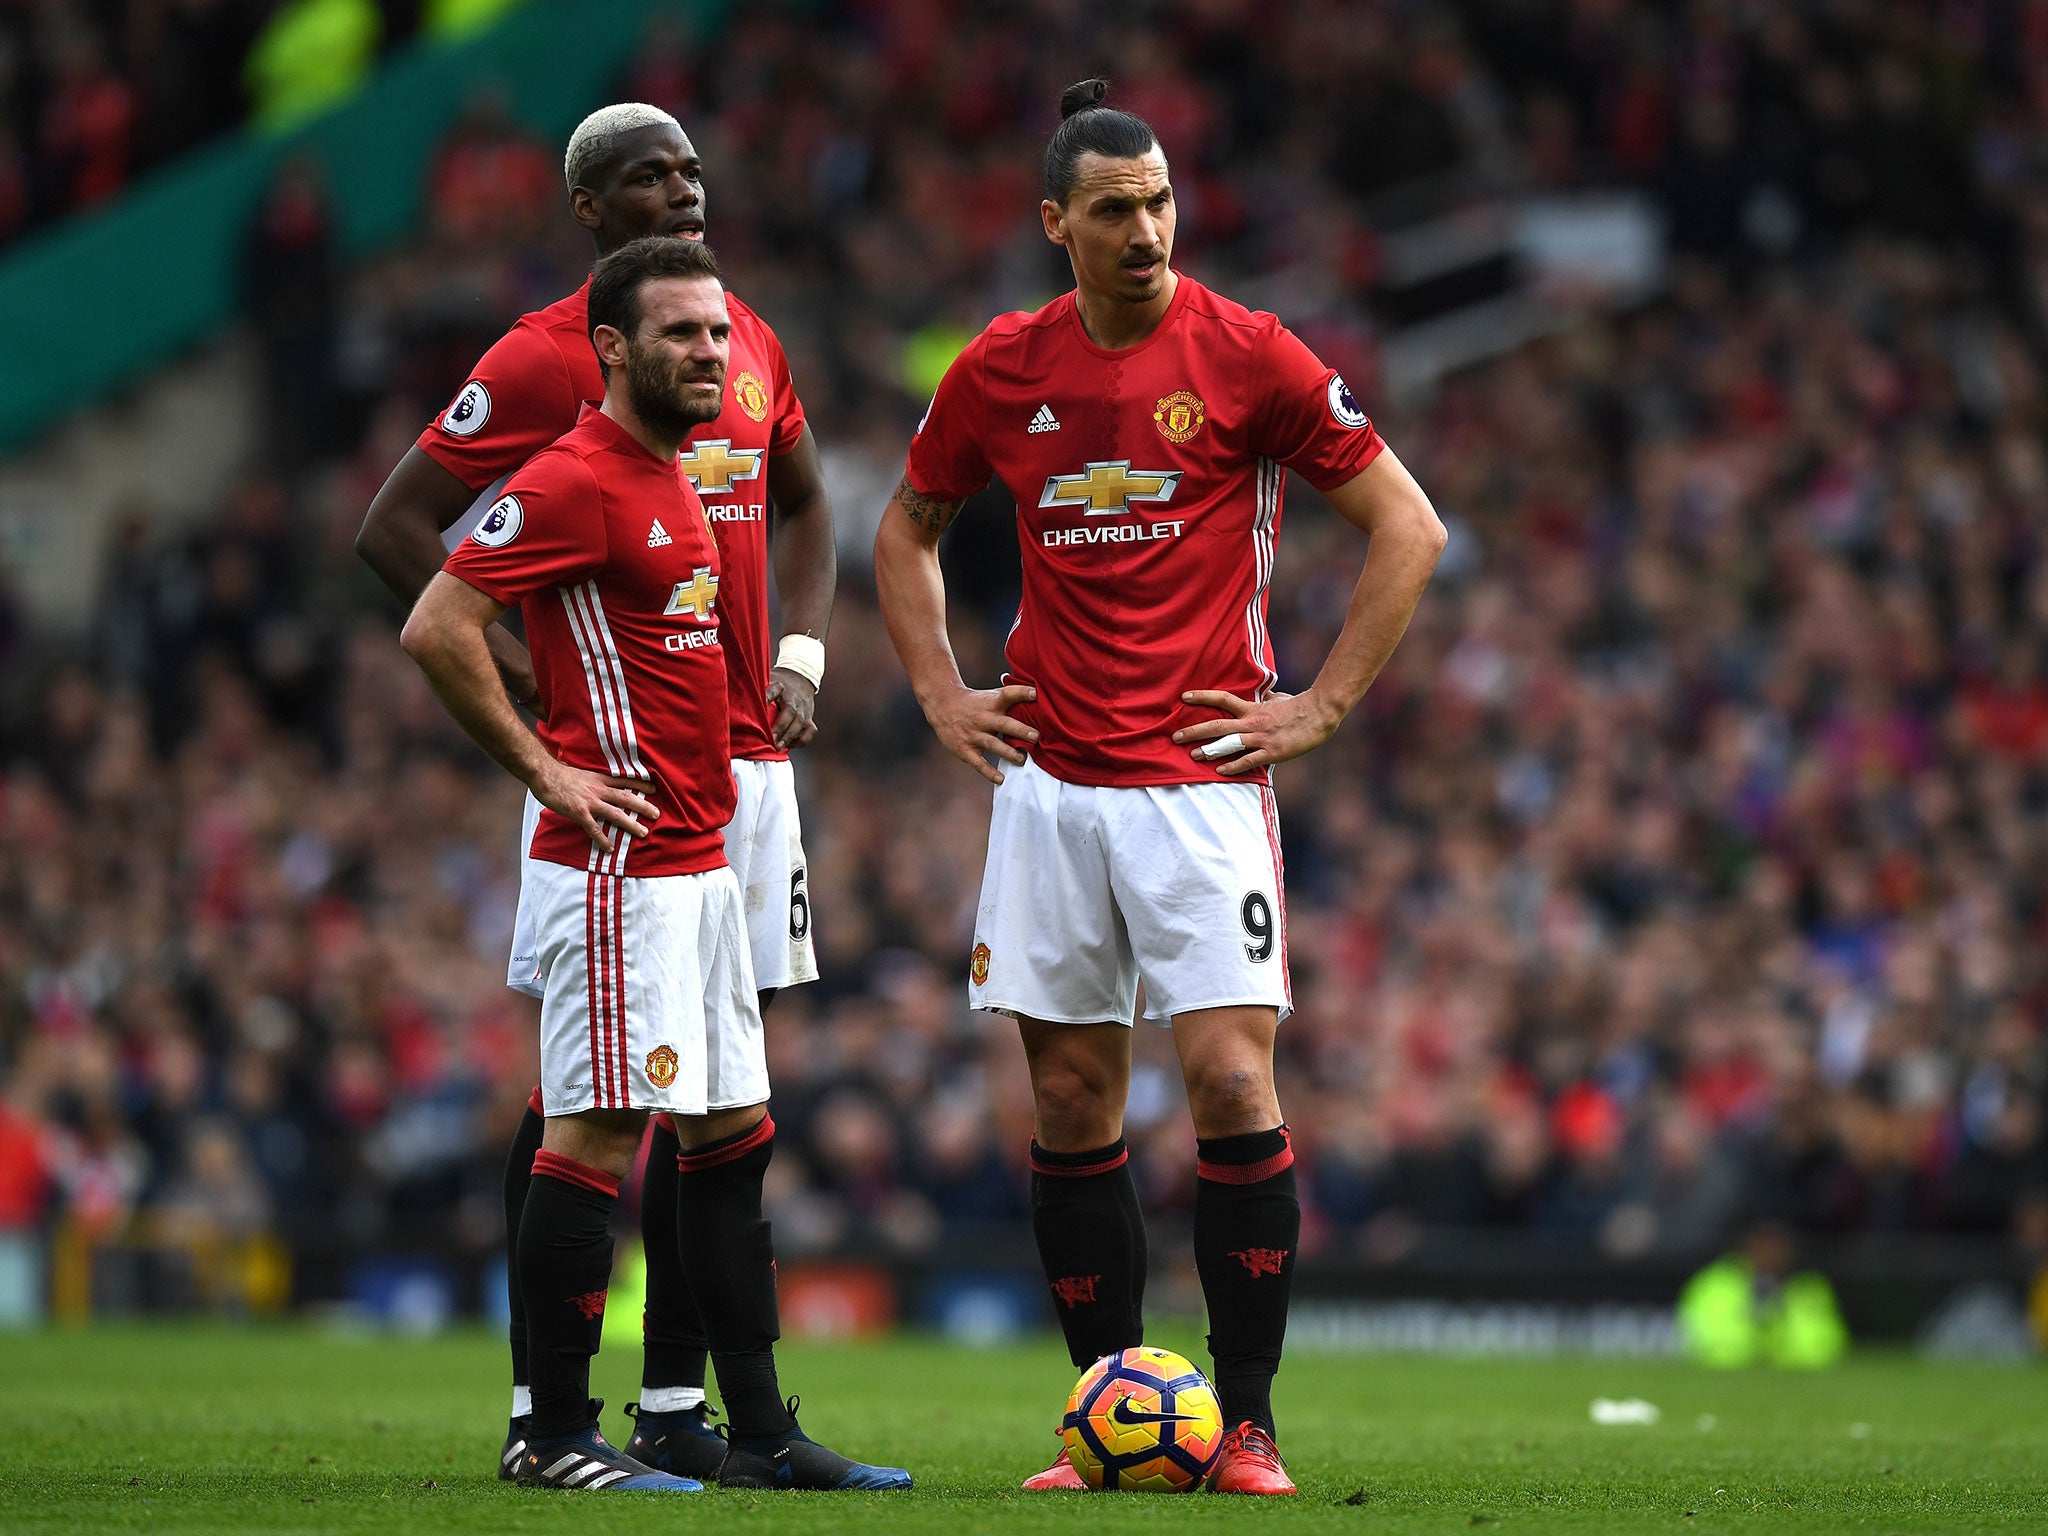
[(1249, 1462), (1057, 1478)]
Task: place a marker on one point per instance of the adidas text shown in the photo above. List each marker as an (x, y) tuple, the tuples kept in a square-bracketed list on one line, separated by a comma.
[(1044, 421)]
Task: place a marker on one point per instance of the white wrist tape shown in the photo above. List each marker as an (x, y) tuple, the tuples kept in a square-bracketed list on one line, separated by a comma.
[(803, 656)]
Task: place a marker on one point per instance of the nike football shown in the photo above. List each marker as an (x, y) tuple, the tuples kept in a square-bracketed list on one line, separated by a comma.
[(1145, 1419)]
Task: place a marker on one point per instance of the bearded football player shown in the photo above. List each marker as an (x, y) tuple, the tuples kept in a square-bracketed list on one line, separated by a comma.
[(1144, 425), (633, 173), (648, 998)]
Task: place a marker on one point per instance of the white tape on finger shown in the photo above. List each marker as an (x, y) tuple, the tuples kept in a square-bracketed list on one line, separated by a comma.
[(1224, 746)]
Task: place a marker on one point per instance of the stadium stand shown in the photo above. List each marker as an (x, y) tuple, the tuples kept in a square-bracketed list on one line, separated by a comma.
[(92, 96), (1683, 870)]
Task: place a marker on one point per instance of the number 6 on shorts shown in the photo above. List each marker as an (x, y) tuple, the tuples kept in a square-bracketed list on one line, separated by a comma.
[(799, 908)]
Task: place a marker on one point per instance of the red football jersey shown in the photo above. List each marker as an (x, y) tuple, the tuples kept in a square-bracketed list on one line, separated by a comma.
[(1148, 487), (522, 395), (526, 392), (727, 461), (609, 557)]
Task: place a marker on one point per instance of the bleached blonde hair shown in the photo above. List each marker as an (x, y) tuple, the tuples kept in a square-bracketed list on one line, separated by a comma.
[(595, 143)]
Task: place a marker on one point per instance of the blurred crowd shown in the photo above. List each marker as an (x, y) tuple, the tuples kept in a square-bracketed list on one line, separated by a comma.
[(1684, 869), (94, 93)]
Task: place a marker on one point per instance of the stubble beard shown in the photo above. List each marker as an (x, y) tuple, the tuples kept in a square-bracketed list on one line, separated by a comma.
[(1137, 291), (658, 396)]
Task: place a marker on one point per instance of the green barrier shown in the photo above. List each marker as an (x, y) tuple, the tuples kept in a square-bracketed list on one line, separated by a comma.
[(95, 303)]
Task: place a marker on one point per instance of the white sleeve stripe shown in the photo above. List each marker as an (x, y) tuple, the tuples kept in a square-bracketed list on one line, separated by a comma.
[(1267, 483), (600, 714), (631, 741), (610, 681)]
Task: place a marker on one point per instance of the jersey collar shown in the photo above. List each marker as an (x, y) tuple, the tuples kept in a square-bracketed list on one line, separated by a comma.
[(1173, 308), (612, 435)]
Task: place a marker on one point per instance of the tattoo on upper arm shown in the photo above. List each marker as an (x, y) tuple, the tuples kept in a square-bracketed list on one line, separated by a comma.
[(928, 512)]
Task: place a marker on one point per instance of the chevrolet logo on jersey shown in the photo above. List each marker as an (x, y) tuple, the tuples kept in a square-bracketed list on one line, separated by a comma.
[(714, 464), (695, 595), (1109, 487)]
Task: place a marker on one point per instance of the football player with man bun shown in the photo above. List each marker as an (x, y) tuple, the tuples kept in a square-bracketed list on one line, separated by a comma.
[(1144, 425)]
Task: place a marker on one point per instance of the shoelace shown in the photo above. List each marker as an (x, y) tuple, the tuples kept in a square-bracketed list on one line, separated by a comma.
[(1256, 1442)]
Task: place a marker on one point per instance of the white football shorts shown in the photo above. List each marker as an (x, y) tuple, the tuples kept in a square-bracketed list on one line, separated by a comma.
[(647, 992), (765, 847), (1089, 891)]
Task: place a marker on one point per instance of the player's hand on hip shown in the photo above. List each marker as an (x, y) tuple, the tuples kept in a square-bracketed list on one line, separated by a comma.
[(971, 722), (796, 711), (597, 803), (1252, 735)]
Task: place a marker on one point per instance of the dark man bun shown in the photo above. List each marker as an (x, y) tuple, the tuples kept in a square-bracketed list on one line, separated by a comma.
[(1087, 127), (1082, 95)]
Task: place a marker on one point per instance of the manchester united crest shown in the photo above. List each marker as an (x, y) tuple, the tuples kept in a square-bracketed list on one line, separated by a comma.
[(1179, 416), (751, 393), (661, 1065), (978, 969)]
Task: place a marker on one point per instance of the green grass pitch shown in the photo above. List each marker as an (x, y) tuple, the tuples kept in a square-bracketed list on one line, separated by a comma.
[(166, 1430)]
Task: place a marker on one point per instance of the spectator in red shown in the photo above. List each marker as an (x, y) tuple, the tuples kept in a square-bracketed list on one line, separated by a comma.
[(87, 128)]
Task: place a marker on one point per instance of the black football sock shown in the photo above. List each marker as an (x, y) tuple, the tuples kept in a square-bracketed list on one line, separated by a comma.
[(1091, 1240), (1247, 1226), (729, 1254), (673, 1343), (518, 1174), (565, 1267)]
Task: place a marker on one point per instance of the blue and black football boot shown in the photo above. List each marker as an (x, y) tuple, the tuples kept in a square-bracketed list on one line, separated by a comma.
[(583, 1461), (683, 1442), (794, 1460), (517, 1432)]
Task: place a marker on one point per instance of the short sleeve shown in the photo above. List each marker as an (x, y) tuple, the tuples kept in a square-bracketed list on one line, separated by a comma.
[(547, 530), (947, 457), (789, 410), (519, 399), (1304, 414)]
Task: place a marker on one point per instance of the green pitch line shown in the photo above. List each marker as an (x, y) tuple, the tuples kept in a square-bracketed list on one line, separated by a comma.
[(171, 1430)]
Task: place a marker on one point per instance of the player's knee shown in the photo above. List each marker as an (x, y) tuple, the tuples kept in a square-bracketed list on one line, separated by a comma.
[(1077, 1106), (1231, 1098), (606, 1140)]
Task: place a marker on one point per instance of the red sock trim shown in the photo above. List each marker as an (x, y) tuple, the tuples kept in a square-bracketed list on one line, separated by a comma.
[(727, 1151), (554, 1166), (666, 1121), (1249, 1173), (533, 1101), (1082, 1171)]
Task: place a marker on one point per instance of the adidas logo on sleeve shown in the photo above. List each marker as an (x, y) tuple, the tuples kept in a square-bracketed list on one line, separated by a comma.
[(658, 536), (1044, 421)]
